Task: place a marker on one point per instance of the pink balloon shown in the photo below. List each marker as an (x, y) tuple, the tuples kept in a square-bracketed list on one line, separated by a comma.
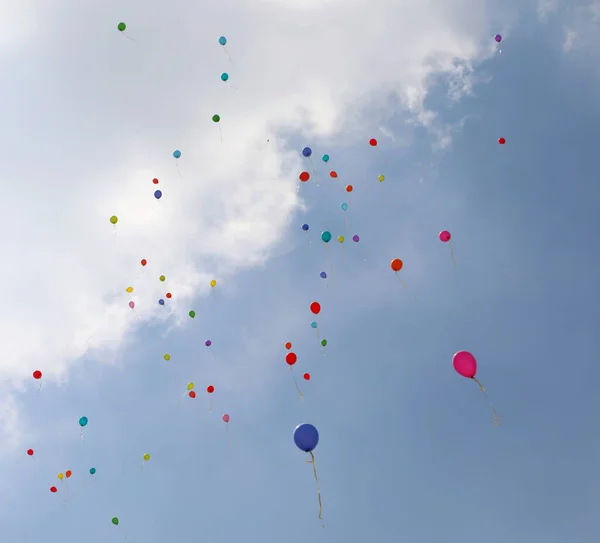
[(132, 305), (465, 364), (225, 417), (445, 236)]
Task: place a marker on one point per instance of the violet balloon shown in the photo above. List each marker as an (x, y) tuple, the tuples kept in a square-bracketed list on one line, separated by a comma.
[(208, 343), (355, 238), (444, 236), (465, 364), (498, 38)]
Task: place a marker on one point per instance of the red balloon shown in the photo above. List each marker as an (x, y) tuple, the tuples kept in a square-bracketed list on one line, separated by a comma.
[(372, 142), (155, 181), (333, 174), (68, 473), (315, 307), (501, 141), (349, 188), (210, 389), (169, 295), (396, 264), (144, 262), (304, 177), (307, 376), (288, 345), (192, 394), (30, 452), (53, 489), (291, 358), (37, 374)]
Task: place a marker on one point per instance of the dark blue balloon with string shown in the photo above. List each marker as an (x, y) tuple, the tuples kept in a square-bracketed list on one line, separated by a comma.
[(307, 151), (161, 302), (323, 275), (306, 437), (305, 227), (158, 194)]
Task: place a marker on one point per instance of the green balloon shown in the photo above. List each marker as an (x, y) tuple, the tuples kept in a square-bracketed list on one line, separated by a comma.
[(216, 118), (121, 27), (115, 521), (192, 314), (323, 342)]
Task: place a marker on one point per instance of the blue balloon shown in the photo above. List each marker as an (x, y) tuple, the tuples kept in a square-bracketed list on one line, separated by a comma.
[(222, 40), (307, 151), (344, 206), (313, 324), (305, 227), (92, 470), (306, 437), (158, 194), (161, 302), (83, 421), (224, 76), (326, 236), (325, 158), (177, 153), (323, 275)]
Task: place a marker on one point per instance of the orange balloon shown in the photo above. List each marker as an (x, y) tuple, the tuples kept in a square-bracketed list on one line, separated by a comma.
[(333, 174), (68, 473), (396, 264), (288, 345), (349, 188)]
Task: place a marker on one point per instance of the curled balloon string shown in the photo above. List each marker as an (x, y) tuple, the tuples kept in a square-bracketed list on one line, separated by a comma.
[(482, 388), (296, 383), (314, 466)]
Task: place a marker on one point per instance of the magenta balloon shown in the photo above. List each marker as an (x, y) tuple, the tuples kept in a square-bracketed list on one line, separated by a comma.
[(132, 304), (465, 364), (225, 417), (445, 236)]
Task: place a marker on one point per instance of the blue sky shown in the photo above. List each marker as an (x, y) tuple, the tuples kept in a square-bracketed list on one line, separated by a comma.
[(408, 449)]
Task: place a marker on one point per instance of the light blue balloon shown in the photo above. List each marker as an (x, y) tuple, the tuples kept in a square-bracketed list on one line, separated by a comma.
[(222, 40), (344, 206), (313, 324), (224, 76), (177, 153), (92, 470), (326, 236), (83, 421), (325, 158)]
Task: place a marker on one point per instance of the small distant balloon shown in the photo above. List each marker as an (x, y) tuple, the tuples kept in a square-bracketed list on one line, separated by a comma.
[(115, 521), (158, 194), (224, 76), (190, 385), (167, 357), (68, 473), (381, 178), (313, 324), (121, 27), (315, 307), (349, 188), (143, 262), (306, 437), (92, 471), (306, 376), (305, 227), (146, 457), (169, 295), (132, 305), (323, 275), (304, 177), (37, 374), (344, 206), (225, 417), (355, 238), (291, 358), (30, 452), (501, 141), (161, 302), (222, 40), (325, 158), (155, 181), (333, 174), (177, 153), (396, 264), (83, 421), (192, 394), (444, 236), (307, 151), (213, 283), (326, 236), (53, 489), (288, 345), (192, 314), (210, 389), (114, 219), (498, 38), (341, 239), (162, 278), (129, 289), (208, 343), (323, 343), (372, 142), (216, 118), (465, 364)]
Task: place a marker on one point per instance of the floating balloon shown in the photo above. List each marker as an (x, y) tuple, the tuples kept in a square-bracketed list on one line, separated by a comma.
[(326, 236), (115, 521), (306, 376), (162, 278), (61, 476), (444, 236), (190, 385), (177, 153), (192, 394), (53, 489), (344, 206), (37, 374), (498, 38), (307, 151), (313, 325), (381, 178), (83, 421), (92, 471), (208, 343), (501, 141), (333, 174), (114, 219), (143, 262), (325, 158), (372, 142), (341, 239), (224, 76), (155, 181), (396, 264), (158, 194), (288, 345), (129, 289), (323, 275), (161, 302), (169, 295), (291, 358), (192, 314), (222, 40), (305, 227), (167, 357), (121, 27), (213, 283), (30, 452), (216, 118), (304, 177), (132, 305), (306, 438), (210, 389), (68, 473), (225, 417), (315, 307), (355, 238), (146, 457), (323, 343), (349, 188)]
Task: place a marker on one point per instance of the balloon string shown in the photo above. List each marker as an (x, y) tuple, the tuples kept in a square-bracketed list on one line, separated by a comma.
[(41, 383), (296, 383), (312, 461), (452, 254), (318, 335), (482, 388), (220, 133), (130, 38), (227, 53), (227, 434), (330, 262), (177, 166), (210, 405), (401, 280)]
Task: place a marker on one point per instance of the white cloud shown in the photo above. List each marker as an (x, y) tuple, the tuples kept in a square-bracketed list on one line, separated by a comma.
[(545, 8), (570, 38), (91, 118)]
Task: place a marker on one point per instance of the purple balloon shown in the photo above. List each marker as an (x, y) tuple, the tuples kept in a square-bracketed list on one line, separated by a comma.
[(498, 38), (208, 343), (355, 238)]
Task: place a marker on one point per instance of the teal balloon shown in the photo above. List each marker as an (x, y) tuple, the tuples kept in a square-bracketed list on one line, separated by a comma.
[(313, 324), (344, 206), (326, 236), (92, 471), (224, 76), (325, 158), (222, 40), (83, 421)]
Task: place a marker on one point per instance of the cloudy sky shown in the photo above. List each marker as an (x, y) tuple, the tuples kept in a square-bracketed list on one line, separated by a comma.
[(408, 449)]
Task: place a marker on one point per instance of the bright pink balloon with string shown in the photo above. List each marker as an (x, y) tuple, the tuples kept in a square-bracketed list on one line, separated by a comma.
[(465, 364), (445, 236), (225, 417), (132, 304)]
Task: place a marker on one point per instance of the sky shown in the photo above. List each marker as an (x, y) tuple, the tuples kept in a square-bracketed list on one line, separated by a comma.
[(408, 449)]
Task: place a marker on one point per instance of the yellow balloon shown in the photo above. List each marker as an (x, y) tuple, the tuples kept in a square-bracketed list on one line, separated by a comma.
[(60, 476), (190, 386), (213, 283), (162, 278), (167, 356), (146, 457), (381, 178), (129, 289), (114, 219), (341, 239)]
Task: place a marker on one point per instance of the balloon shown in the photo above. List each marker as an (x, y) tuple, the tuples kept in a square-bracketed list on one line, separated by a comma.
[(83, 421), (155, 181), (288, 345), (167, 357), (313, 324), (445, 236), (216, 118), (213, 283), (307, 151), (161, 302), (210, 389), (92, 471), (501, 141), (323, 342), (498, 38), (344, 206), (325, 158), (355, 238), (37, 374), (341, 239), (323, 275), (224, 76), (465, 364), (306, 376), (222, 40), (168, 295), (129, 289), (114, 219), (143, 262), (121, 27), (115, 521), (30, 452), (396, 264), (162, 278), (305, 227), (291, 358), (158, 194), (132, 304), (326, 236), (372, 142), (190, 386), (61, 476), (68, 473), (192, 314), (192, 394), (349, 188), (53, 489), (306, 437), (225, 417), (146, 457), (208, 343), (177, 153), (315, 307), (333, 174), (304, 177)]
